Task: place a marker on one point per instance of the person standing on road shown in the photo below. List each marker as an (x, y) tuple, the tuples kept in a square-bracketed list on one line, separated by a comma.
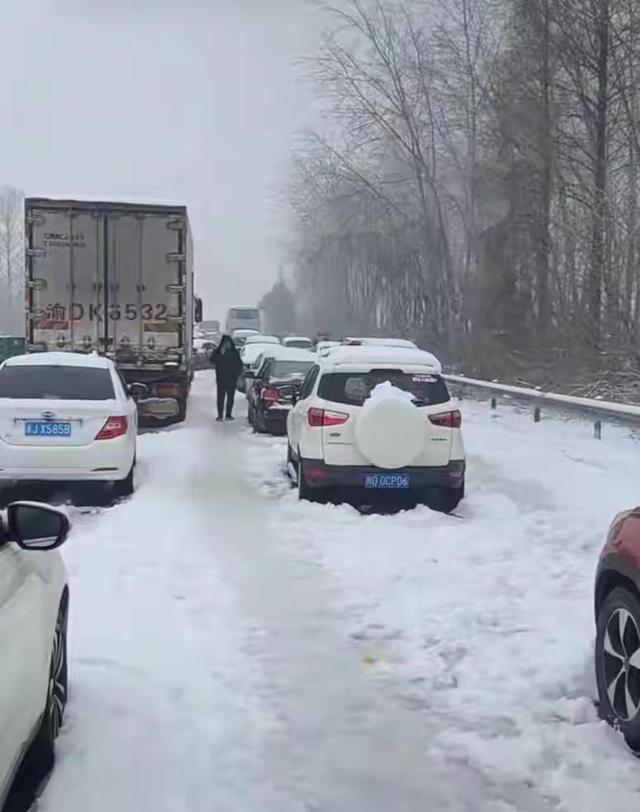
[(228, 365)]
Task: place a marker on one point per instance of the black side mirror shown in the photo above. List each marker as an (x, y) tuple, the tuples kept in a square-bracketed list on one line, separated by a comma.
[(138, 390), (294, 397), (34, 526)]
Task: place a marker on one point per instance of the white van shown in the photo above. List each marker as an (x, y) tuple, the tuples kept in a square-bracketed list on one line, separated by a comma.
[(243, 318)]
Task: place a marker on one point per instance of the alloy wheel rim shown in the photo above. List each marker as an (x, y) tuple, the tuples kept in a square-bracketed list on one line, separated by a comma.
[(57, 681), (621, 664)]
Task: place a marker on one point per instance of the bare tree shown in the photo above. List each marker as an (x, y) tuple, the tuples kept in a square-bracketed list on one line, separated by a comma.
[(11, 261), (476, 183)]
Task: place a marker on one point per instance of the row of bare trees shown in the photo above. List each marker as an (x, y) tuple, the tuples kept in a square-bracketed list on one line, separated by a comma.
[(475, 179), (11, 261)]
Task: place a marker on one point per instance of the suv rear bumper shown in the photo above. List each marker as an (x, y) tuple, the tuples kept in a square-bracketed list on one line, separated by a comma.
[(319, 475)]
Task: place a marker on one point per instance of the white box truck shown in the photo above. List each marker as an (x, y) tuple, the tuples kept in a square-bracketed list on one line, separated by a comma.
[(116, 279)]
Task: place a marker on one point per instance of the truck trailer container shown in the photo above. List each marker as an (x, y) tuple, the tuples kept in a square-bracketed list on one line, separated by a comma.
[(115, 279)]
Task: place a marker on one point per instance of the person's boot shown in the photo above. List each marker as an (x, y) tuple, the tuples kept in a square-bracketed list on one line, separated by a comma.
[(218, 419)]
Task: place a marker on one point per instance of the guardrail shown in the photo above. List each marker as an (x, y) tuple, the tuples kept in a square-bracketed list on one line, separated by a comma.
[(587, 407)]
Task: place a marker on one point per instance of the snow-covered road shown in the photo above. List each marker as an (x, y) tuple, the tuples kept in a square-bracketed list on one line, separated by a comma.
[(235, 650)]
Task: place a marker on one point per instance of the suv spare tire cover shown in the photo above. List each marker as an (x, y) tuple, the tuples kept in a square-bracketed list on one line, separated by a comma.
[(390, 433)]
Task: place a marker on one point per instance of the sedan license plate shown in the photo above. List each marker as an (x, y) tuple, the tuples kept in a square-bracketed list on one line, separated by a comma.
[(46, 428), (389, 482)]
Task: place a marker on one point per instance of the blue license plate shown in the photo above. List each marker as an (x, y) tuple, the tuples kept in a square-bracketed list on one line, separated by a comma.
[(388, 482), (46, 428)]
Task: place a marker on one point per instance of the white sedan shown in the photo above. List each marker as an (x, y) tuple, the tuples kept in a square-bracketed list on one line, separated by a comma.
[(66, 417), (34, 601)]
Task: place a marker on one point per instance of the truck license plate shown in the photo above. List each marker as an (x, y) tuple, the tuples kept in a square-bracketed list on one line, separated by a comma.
[(46, 428), (390, 482)]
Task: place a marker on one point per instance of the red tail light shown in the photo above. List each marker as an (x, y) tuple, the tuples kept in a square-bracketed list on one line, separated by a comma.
[(448, 420), (270, 395), (321, 417), (114, 427)]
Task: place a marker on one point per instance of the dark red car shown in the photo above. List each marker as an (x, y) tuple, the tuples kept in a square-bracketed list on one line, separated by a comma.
[(617, 607)]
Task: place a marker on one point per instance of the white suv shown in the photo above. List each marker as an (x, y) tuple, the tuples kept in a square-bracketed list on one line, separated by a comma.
[(380, 419)]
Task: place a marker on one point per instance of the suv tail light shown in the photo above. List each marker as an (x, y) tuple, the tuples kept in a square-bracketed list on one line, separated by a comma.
[(114, 427), (448, 420), (270, 395), (321, 417)]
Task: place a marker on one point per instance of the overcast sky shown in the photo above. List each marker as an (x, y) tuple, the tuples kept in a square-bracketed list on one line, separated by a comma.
[(191, 100)]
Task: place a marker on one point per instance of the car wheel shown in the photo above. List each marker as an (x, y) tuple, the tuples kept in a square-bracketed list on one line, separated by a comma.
[(126, 486), (182, 410), (617, 661), (40, 756), (259, 423), (445, 500), (304, 491), (290, 458)]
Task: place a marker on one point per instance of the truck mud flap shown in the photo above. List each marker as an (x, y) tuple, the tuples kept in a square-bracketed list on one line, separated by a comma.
[(158, 408)]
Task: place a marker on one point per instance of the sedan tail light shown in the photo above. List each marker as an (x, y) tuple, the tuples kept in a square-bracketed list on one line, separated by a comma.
[(269, 395), (447, 420), (322, 417), (113, 427)]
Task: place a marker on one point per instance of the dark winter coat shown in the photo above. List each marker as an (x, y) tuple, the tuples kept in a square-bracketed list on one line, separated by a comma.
[(226, 360)]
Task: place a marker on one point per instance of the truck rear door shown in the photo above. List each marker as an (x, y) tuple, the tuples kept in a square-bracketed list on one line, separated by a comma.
[(145, 302), (64, 278)]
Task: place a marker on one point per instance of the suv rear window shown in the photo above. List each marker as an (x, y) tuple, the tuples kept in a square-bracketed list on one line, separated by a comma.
[(353, 388), (56, 382)]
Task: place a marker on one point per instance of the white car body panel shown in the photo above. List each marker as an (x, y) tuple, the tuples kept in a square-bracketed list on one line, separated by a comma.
[(80, 456), (31, 588)]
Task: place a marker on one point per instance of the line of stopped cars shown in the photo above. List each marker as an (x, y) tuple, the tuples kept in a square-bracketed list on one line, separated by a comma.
[(370, 415), (364, 416)]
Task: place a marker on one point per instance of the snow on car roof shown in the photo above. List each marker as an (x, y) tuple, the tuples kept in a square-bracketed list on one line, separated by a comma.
[(371, 354), (289, 353), (250, 352), (297, 338), (281, 353), (382, 342), (60, 359), (262, 339), (244, 331)]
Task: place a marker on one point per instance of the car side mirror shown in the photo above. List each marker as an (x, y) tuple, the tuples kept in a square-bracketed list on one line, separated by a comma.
[(138, 390), (34, 526), (250, 375), (294, 398)]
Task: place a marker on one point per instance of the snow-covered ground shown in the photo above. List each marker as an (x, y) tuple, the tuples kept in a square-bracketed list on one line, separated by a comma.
[(235, 649)]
